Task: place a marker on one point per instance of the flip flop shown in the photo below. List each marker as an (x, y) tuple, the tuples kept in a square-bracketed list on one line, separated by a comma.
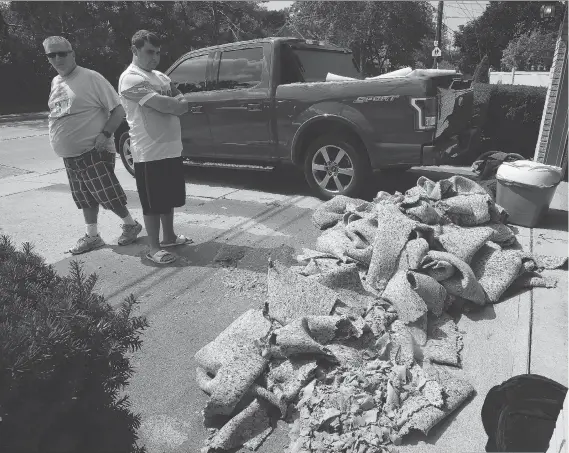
[(161, 257), (180, 240)]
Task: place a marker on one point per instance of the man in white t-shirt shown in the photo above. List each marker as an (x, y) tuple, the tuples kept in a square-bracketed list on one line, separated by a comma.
[(85, 111), (152, 105)]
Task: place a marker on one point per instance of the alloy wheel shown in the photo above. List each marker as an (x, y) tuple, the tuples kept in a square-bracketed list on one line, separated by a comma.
[(332, 169)]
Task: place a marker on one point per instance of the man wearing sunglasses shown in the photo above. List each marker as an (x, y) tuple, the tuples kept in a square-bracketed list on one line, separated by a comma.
[(85, 111)]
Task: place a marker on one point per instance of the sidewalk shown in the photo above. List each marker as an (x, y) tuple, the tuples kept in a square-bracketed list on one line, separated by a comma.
[(190, 303)]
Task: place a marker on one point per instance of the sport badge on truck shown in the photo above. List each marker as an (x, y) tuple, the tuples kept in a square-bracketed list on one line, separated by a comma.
[(363, 99)]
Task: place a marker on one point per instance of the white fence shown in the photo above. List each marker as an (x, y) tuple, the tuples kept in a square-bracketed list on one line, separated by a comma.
[(533, 78)]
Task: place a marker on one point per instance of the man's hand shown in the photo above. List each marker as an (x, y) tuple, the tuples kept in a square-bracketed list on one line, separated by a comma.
[(101, 142)]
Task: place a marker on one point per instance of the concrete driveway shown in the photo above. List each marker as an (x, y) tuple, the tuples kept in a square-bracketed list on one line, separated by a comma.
[(237, 220)]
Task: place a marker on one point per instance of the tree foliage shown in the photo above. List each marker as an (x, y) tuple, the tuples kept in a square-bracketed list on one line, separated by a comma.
[(481, 74), (376, 32), (532, 49), (501, 22), (101, 31)]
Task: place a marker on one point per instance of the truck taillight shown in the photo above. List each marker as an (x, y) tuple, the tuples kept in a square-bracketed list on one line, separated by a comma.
[(426, 117)]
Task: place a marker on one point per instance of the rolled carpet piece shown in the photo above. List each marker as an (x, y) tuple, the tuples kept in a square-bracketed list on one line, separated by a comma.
[(295, 338), (457, 391), (251, 422), (409, 305), (467, 210), (332, 211), (231, 383), (428, 289), (239, 336), (387, 246), (465, 242), (496, 269), (463, 283), (445, 188), (412, 255)]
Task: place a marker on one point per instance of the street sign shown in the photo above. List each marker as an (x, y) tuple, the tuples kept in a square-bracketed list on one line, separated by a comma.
[(436, 52), (436, 43)]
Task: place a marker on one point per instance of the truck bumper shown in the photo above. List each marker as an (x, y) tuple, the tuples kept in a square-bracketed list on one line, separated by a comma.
[(455, 149)]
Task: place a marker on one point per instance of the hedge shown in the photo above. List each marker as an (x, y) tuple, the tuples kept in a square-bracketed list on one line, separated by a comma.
[(63, 360), (509, 117)]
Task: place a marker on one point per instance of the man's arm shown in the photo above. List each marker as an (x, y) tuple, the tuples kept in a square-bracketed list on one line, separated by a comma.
[(115, 120), (166, 104), (136, 89)]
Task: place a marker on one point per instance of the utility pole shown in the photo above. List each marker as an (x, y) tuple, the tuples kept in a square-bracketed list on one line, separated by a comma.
[(438, 42)]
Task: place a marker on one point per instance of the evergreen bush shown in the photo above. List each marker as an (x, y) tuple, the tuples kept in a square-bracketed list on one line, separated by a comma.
[(509, 117), (63, 360)]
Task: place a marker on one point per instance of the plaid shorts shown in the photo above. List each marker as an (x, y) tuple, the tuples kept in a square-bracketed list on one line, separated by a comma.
[(93, 181)]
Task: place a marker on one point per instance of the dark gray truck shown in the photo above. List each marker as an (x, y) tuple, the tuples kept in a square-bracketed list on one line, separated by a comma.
[(266, 102)]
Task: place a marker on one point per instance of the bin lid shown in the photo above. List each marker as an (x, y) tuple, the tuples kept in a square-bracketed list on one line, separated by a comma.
[(529, 173)]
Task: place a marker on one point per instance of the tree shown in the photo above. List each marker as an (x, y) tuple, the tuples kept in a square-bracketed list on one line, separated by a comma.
[(100, 32), (534, 48), (481, 74), (385, 30), (501, 22)]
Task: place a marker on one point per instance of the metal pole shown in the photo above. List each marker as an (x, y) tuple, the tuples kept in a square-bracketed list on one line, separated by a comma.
[(439, 30)]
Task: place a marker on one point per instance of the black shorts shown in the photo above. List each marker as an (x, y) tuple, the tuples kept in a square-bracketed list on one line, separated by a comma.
[(161, 185), (93, 182)]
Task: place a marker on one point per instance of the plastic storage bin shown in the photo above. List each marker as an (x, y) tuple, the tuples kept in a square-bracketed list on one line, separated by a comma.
[(525, 189)]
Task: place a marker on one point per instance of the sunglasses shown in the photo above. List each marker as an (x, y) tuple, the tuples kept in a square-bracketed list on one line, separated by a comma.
[(52, 55)]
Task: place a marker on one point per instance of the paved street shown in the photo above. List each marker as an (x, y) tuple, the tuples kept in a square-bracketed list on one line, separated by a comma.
[(237, 220)]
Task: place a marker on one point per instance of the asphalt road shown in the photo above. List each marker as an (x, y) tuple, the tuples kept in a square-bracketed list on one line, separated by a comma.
[(237, 220)]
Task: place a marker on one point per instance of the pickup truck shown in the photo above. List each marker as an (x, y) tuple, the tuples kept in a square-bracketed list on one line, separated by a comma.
[(266, 102)]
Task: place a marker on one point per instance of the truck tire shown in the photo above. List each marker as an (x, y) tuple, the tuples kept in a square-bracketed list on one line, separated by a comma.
[(336, 165), (125, 152)]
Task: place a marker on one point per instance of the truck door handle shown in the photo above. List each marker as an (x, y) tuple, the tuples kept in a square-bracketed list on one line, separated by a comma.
[(254, 107), (196, 109)]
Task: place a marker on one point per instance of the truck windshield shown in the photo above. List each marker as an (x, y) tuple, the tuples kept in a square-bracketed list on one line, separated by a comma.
[(315, 64)]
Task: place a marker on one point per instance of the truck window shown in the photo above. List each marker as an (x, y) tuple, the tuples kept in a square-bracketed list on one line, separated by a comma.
[(241, 68), (190, 75), (315, 64), (291, 67)]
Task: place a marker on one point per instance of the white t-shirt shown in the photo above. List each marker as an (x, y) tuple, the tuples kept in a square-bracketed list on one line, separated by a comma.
[(153, 135), (79, 107)]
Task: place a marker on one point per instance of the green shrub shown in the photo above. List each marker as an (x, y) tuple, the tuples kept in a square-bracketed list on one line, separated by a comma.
[(514, 118), (509, 116), (63, 360)]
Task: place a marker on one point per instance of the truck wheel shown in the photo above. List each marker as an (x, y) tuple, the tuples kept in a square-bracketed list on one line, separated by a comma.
[(126, 153), (334, 165)]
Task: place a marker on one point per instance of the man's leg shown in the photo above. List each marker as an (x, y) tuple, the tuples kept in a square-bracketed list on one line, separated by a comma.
[(107, 190), (91, 215), (167, 220), (152, 224), (85, 201), (130, 227)]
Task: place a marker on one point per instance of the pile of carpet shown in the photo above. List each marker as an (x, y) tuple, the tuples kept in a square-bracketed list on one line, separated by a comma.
[(353, 346)]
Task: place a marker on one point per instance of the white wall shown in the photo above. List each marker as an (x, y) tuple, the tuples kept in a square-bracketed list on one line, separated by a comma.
[(533, 78)]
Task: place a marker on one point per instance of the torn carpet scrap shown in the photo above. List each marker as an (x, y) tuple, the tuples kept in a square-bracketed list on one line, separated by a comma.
[(291, 296), (387, 246)]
